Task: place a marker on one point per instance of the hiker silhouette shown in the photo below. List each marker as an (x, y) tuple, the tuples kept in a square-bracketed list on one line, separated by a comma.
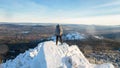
[(58, 33)]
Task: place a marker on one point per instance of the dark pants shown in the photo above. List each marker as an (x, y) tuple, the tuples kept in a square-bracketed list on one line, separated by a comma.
[(57, 38)]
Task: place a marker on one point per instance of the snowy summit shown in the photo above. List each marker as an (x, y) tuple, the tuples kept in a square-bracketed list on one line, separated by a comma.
[(48, 55)]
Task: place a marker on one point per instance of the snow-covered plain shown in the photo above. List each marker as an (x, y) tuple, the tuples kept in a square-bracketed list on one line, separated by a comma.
[(48, 55)]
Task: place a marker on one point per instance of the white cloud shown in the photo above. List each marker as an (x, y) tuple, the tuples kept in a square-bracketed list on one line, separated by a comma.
[(16, 10), (29, 11), (114, 3), (98, 20)]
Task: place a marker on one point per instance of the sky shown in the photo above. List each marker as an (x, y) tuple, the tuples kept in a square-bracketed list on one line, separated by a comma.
[(98, 12)]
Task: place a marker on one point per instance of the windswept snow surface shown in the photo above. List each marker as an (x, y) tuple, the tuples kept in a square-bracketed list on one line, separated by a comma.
[(48, 55)]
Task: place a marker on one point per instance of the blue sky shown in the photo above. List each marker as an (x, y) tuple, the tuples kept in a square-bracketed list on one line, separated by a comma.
[(61, 11)]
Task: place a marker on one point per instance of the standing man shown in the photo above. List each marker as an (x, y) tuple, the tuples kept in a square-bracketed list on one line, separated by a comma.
[(58, 33)]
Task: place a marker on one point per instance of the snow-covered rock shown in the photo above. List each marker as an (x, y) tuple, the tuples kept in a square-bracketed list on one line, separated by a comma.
[(48, 55)]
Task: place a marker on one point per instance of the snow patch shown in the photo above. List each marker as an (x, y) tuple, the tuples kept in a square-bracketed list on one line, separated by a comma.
[(98, 37), (70, 36), (74, 36)]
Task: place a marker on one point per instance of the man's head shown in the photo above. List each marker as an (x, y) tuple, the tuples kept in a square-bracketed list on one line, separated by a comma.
[(58, 25)]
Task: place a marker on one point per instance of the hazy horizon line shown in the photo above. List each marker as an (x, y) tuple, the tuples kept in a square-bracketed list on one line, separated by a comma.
[(23, 23)]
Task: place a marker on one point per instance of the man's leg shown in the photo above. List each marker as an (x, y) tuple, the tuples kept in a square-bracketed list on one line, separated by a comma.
[(56, 40), (61, 39)]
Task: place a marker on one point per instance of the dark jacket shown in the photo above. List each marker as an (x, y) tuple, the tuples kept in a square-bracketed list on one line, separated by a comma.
[(59, 30)]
